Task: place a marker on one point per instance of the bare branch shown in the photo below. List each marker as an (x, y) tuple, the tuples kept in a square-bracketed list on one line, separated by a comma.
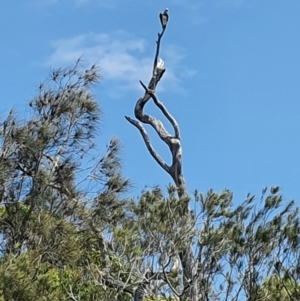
[(175, 169), (166, 278), (173, 142), (157, 158), (167, 114)]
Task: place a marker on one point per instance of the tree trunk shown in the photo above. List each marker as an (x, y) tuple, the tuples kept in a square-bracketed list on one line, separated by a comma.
[(188, 262)]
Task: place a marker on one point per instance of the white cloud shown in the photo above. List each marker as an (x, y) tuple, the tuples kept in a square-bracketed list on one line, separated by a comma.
[(121, 57)]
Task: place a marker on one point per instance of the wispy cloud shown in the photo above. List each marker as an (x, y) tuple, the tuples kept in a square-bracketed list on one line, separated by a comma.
[(121, 57)]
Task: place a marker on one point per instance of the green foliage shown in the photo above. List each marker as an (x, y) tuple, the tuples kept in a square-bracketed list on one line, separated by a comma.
[(68, 233), (22, 280), (25, 278), (56, 208), (236, 247), (279, 289)]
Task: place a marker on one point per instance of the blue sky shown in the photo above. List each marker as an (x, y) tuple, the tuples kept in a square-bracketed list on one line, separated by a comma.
[(232, 80)]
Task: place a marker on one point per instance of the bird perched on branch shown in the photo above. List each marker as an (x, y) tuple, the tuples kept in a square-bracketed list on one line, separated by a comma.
[(160, 64), (164, 17)]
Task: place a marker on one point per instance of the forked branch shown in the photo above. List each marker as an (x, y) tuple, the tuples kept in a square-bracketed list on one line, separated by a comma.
[(173, 141)]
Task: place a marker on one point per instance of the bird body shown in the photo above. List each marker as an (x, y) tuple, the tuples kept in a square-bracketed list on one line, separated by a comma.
[(164, 17)]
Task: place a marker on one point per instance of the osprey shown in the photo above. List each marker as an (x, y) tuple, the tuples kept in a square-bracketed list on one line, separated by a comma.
[(164, 18)]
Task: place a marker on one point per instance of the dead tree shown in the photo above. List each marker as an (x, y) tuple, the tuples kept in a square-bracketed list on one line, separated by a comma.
[(188, 262)]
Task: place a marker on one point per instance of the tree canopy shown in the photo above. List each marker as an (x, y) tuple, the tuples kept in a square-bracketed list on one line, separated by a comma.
[(68, 230)]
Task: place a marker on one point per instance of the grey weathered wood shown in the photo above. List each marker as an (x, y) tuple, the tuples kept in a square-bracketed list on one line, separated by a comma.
[(188, 262)]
